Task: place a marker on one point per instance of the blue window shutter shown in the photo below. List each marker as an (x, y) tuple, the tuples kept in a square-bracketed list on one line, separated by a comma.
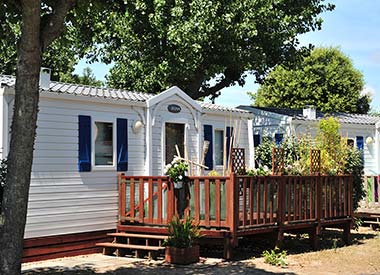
[(256, 140), (360, 145), (84, 159), (122, 144), (229, 134), (209, 162), (278, 138)]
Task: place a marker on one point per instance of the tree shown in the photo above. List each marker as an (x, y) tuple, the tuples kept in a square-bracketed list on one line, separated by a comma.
[(87, 78), (41, 23), (203, 46), (61, 55), (326, 79)]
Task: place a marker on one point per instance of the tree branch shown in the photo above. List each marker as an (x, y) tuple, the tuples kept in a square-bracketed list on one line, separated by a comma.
[(53, 25)]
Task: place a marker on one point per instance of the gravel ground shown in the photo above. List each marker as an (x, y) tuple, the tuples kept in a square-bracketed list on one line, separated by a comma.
[(362, 257)]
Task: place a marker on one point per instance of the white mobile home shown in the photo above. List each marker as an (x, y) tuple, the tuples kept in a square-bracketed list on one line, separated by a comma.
[(86, 135), (363, 131)]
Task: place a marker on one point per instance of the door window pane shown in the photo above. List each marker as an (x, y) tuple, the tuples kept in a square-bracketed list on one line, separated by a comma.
[(175, 135), (103, 143), (219, 147)]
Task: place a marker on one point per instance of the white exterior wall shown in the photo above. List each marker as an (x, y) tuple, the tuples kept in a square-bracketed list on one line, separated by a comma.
[(220, 122), (350, 131), (267, 124), (161, 115), (63, 200)]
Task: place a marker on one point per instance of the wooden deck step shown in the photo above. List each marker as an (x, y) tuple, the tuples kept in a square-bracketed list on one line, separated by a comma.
[(131, 246), (137, 236)]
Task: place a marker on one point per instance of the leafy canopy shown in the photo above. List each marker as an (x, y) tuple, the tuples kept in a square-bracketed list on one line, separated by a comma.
[(157, 44), (326, 79), (65, 51)]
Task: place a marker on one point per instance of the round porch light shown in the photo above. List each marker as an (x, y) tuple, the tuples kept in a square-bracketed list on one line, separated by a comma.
[(137, 126), (369, 140)]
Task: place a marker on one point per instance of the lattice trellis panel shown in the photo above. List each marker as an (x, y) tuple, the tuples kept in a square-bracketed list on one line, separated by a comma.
[(238, 161), (315, 161), (278, 161)]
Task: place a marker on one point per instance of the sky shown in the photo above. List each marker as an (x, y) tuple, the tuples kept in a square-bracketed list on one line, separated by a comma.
[(354, 26)]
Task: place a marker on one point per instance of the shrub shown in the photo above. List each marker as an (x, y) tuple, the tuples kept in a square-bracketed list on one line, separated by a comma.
[(263, 153), (182, 233), (275, 257), (260, 171), (334, 148), (354, 166)]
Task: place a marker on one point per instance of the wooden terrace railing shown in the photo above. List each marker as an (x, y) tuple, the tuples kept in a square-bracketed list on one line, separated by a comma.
[(236, 203), (274, 200), (372, 190), (152, 200)]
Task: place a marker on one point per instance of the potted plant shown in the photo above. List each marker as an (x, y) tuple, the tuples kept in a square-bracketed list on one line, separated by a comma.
[(176, 170), (181, 245)]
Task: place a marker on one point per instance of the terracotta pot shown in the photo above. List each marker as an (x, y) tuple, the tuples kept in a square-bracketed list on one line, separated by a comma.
[(174, 255)]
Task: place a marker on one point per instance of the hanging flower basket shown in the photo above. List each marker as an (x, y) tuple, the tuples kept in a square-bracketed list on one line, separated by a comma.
[(178, 185), (177, 170)]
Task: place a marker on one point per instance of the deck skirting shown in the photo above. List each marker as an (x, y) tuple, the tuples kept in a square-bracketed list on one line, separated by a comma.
[(51, 247)]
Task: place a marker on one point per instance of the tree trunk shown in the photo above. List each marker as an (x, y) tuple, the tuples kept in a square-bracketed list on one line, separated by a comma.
[(20, 156)]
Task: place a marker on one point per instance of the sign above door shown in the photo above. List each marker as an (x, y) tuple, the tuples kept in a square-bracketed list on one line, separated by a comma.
[(174, 108)]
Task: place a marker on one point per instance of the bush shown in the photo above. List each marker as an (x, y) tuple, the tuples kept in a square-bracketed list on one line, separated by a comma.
[(263, 153), (275, 257), (354, 166), (182, 233)]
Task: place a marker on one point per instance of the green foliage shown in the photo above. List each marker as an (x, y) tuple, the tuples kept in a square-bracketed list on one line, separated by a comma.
[(260, 171), (83, 25), (176, 170), (87, 78), (275, 257), (354, 165), (334, 148), (157, 44), (326, 79), (182, 233), (3, 177), (263, 152)]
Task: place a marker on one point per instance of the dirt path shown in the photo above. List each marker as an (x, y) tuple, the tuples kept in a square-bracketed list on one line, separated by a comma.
[(362, 257)]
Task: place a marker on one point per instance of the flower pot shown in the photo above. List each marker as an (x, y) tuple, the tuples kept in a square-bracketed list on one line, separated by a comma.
[(178, 185), (174, 255)]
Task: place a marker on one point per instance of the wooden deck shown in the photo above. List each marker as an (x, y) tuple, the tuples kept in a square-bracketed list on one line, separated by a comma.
[(233, 207)]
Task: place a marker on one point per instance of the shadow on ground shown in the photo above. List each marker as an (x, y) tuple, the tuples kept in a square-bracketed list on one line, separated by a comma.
[(297, 243), (230, 268), (248, 249)]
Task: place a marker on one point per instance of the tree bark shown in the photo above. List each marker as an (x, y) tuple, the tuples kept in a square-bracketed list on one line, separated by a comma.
[(35, 37), (23, 132)]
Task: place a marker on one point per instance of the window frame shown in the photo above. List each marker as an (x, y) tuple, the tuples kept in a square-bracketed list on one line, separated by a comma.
[(214, 145), (114, 153)]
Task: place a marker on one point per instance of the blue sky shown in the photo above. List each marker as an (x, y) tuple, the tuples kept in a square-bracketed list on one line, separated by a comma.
[(354, 26)]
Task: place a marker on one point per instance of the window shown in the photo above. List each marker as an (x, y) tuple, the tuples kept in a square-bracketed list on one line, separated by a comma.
[(219, 147), (350, 142), (256, 140), (103, 143), (278, 138)]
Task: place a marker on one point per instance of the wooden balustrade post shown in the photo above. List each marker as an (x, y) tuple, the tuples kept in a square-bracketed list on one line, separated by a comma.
[(233, 208), (122, 197), (316, 233), (281, 181), (170, 201)]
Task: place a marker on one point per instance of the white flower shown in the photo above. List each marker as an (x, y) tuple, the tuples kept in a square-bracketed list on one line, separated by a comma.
[(180, 177)]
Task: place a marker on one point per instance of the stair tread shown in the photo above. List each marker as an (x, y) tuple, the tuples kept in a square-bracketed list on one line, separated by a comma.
[(131, 246), (134, 235)]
